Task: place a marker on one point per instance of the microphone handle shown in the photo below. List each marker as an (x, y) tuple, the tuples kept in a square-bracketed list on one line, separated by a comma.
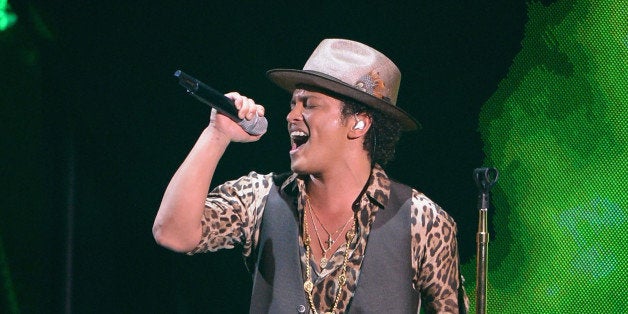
[(220, 102)]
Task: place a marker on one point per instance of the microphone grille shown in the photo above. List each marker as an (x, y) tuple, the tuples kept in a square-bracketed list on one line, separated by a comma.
[(256, 126)]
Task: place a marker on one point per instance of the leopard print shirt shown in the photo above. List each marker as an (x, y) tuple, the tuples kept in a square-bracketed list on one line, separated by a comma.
[(233, 214)]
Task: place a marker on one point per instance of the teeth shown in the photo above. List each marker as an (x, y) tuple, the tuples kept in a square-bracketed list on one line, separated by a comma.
[(297, 133), (298, 138)]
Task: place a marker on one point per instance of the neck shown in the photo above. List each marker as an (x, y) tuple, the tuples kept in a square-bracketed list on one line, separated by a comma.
[(335, 191)]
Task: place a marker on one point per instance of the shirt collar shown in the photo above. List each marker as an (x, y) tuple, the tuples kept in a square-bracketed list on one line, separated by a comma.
[(376, 190)]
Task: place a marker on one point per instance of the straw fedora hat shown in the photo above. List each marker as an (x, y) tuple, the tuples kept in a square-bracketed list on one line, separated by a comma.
[(353, 70)]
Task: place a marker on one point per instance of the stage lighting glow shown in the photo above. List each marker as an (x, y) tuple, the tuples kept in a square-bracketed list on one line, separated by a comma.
[(557, 130), (7, 18)]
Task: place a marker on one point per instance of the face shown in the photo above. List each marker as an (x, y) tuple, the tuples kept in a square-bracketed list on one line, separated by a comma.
[(318, 133)]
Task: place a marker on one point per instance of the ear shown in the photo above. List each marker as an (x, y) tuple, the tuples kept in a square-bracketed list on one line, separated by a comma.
[(360, 124)]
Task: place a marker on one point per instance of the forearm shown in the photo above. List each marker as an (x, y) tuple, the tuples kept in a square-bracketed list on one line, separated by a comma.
[(177, 225)]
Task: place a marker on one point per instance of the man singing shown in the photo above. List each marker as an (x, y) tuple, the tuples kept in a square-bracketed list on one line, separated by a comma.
[(336, 234)]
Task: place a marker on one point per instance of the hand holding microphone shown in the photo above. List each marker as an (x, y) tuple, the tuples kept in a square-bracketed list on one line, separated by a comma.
[(248, 112), (252, 122)]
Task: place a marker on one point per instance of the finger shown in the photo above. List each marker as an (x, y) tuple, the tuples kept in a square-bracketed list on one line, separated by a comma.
[(261, 110), (252, 109), (236, 98), (245, 108)]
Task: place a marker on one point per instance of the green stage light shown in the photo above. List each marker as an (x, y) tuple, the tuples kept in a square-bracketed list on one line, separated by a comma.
[(557, 129), (7, 18)]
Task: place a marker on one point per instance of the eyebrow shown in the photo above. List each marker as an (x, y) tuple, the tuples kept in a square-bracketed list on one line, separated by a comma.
[(303, 96)]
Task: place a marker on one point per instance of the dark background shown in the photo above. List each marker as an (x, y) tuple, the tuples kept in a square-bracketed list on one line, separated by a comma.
[(94, 124)]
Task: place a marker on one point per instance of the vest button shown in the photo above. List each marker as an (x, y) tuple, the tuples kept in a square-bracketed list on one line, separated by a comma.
[(301, 308)]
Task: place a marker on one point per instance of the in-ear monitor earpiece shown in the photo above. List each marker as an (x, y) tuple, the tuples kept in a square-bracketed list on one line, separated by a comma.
[(359, 124)]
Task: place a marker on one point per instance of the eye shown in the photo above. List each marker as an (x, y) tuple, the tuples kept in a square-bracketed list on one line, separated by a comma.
[(308, 105)]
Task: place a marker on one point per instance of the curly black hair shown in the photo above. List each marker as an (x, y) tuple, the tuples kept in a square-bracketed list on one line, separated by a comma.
[(381, 139)]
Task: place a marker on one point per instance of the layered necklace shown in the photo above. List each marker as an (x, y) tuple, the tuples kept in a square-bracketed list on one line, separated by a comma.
[(308, 286), (331, 237)]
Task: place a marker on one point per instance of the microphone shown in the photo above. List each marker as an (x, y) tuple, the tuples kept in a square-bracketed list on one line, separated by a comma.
[(221, 103)]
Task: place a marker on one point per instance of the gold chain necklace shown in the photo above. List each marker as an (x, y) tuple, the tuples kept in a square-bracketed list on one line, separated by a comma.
[(323, 262), (308, 286), (330, 241)]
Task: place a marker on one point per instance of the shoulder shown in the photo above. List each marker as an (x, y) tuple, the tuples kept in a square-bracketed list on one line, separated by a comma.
[(247, 190), (251, 182), (428, 215)]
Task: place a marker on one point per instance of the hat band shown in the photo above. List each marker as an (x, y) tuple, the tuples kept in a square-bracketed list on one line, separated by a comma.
[(371, 83)]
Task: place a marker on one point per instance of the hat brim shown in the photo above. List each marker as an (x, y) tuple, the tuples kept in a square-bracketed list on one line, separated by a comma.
[(290, 79)]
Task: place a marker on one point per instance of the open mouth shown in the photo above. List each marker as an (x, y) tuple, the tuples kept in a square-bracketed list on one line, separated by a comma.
[(298, 138)]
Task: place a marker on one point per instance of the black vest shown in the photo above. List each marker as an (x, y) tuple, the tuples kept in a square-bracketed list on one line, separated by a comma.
[(385, 281)]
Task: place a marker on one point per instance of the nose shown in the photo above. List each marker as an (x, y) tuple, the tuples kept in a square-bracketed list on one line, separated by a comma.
[(295, 114)]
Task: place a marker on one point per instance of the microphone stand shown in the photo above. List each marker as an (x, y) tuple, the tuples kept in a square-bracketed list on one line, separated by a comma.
[(485, 178)]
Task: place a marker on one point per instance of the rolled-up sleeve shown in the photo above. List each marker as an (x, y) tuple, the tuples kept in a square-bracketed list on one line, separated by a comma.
[(233, 212)]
